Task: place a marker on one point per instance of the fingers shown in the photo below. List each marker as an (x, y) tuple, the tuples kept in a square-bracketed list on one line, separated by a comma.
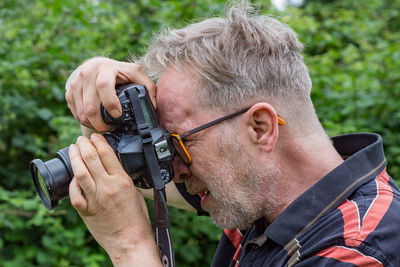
[(105, 86), (71, 103), (94, 83), (83, 96), (74, 95), (74, 99), (91, 102), (107, 155), (77, 197), (133, 73), (81, 173), (91, 177), (91, 159)]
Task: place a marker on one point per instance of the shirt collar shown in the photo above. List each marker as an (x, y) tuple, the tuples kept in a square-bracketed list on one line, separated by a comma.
[(364, 160)]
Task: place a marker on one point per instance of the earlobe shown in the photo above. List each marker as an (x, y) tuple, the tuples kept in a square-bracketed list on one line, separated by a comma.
[(263, 126)]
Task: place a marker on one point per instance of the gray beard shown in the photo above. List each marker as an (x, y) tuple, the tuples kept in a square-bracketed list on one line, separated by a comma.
[(248, 204), (255, 188)]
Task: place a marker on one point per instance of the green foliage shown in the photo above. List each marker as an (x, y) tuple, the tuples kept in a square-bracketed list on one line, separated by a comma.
[(41, 43), (351, 50)]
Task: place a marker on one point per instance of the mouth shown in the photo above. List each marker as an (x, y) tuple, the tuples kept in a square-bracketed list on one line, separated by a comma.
[(199, 188), (204, 196)]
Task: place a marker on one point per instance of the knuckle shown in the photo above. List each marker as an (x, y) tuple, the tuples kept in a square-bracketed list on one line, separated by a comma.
[(103, 150), (82, 74), (103, 84), (80, 174), (90, 155), (90, 110), (78, 204), (110, 102), (84, 120), (97, 59), (126, 183), (68, 97), (110, 192), (71, 107), (73, 85)]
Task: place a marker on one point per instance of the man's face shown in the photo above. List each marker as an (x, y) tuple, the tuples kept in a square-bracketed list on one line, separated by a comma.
[(221, 167)]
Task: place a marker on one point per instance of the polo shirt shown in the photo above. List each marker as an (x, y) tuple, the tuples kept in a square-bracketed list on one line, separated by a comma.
[(350, 217)]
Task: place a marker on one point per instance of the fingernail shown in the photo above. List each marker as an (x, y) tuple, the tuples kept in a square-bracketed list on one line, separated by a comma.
[(115, 113), (92, 136)]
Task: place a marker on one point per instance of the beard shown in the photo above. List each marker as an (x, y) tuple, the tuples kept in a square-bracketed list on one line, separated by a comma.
[(241, 189)]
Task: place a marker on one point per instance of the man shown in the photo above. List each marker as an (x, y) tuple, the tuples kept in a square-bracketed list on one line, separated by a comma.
[(270, 170)]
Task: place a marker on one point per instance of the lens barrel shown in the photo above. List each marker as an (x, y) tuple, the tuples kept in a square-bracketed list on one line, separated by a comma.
[(52, 178)]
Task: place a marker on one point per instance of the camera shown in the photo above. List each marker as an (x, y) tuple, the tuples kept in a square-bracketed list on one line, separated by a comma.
[(143, 147)]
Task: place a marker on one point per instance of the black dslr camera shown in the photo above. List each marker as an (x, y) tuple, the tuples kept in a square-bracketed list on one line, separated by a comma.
[(144, 149)]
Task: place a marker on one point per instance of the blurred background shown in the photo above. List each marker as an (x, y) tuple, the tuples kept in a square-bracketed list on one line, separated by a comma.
[(352, 51)]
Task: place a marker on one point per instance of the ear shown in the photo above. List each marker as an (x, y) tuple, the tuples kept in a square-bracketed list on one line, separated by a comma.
[(262, 126)]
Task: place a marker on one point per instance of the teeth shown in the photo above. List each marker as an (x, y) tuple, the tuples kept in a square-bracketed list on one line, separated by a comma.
[(204, 194)]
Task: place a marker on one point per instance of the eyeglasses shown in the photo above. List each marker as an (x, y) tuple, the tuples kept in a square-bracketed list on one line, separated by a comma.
[(178, 139)]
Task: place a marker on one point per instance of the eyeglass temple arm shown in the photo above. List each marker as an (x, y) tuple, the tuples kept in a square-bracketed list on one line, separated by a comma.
[(212, 123), (227, 117)]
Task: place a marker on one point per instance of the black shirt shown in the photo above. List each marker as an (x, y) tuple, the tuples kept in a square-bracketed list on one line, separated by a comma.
[(350, 217)]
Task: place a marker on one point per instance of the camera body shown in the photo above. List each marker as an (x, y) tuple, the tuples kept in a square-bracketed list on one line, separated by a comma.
[(142, 146), (128, 137)]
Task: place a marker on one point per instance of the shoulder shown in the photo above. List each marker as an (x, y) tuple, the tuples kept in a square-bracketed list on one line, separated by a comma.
[(365, 228)]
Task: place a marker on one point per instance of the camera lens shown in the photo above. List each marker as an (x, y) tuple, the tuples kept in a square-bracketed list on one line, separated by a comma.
[(52, 178), (42, 184)]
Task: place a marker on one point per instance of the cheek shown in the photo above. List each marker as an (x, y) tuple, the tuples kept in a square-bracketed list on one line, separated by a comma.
[(199, 151)]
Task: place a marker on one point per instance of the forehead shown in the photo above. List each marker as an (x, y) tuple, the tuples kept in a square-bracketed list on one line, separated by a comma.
[(175, 100)]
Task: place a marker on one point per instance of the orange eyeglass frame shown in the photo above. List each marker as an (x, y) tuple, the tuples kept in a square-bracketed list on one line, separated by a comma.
[(178, 138)]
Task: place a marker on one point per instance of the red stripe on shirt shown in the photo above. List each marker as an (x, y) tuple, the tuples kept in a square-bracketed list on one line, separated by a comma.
[(236, 256), (349, 255), (379, 207), (235, 236), (356, 230), (351, 219)]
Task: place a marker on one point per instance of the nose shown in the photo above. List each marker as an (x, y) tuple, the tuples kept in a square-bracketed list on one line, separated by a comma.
[(181, 170)]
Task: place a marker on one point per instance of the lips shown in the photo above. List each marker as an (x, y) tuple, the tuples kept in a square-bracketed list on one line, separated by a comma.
[(197, 187), (203, 195)]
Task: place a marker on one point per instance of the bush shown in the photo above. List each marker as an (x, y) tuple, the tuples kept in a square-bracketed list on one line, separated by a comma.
[(42, 42), (351, 50)]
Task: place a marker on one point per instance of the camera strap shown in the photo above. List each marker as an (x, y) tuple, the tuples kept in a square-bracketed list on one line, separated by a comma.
[(161, 219)]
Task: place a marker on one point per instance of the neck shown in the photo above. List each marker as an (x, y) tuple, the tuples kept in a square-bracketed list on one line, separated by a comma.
[(303, 163)]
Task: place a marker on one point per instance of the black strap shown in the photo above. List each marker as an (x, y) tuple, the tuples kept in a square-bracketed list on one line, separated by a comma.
[(161, 219), (163, 235), (193, 200)]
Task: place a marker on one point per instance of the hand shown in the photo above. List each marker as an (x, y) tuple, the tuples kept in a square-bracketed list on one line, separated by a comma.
[(94, 82), (109, 204)]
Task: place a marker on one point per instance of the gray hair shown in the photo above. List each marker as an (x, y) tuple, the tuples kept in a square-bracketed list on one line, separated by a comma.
[(237, 60)]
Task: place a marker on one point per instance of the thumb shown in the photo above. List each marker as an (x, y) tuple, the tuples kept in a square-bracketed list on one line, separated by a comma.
[(130, 72)]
